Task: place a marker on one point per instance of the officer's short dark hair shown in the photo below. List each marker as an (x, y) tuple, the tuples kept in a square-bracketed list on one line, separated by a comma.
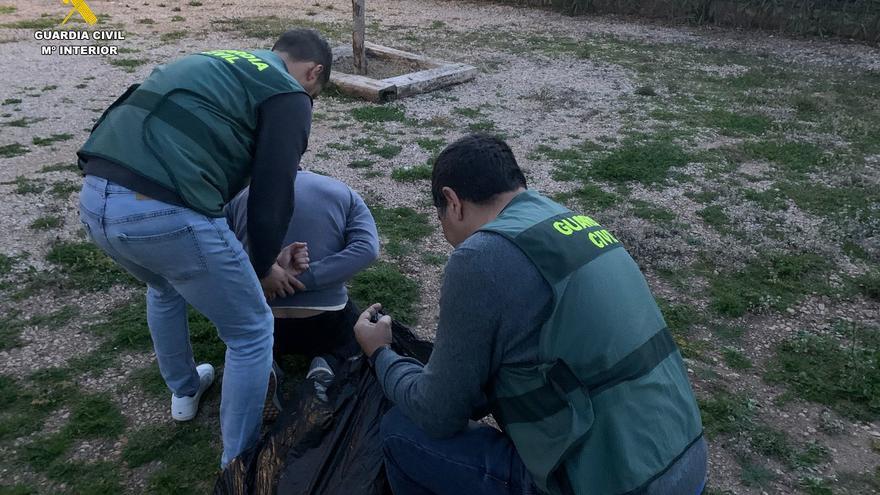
[(307, 45), (477, 167)]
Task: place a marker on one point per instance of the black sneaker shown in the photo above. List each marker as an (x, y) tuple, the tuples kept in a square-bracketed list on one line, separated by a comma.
[(272, 407)]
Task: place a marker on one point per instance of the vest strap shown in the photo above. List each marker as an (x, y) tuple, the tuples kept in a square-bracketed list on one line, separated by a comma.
[(169, 112), (548, 399)]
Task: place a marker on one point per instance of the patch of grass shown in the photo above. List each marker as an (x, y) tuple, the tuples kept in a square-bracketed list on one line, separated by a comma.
[(10, 329), (590, 197), (679, 319), (23, 185), (434, 259), (186, 454), (126, 328), (773, 281), (471, 113), (432, 146), (869, 284), (483, 126), (755, 474), (714, 215), (38, 23), (643, 209), (816, 486), (11, 101), (769, 200), (150, 380), (383, 283), (62, 189), (146, 21), (194, 3), (55, 319), (726, 413), (23, 122), (178, 18), (385, 150), (51, 87), (773, 443), (858, 201), (645, 162), (6, 263), (734, 124), (848, 379), (793, 156), (128, 64), (13, 150), (85, 266), (95, 416), (400, 227), (98, 478), (812, 455), (47, 222), (364, 163), (7, 9), (728, 332), (646, 91), (377, 113), (412, 174), (60, 167), (735, 359), (17, 489), (173, 36)]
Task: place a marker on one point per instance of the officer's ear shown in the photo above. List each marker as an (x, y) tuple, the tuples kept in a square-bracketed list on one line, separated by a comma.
[(453, 203), (314, 74)]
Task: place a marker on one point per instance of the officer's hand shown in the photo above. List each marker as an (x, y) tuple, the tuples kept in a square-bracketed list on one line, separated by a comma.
[(372, 336), (278, 283), (294, 257)]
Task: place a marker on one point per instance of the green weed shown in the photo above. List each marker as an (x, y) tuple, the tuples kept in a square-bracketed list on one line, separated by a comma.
[(645, 162), (714, 215), (432, 146), (376, 113), (869, 284), (412, 174), (383, 283), (60, 167), (793, 156), (186, 455), (128, 64), (85, 266), (38, 23), (848, 379), (643, 209), (23, 185), (173, 36), (734, 124), (774, 281), (11, 101), (13, 150), (735, 359), (47, 222), (363, 163)]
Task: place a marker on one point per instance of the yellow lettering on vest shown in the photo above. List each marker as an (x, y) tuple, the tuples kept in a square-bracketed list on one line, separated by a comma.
[(562, 228), (596, 239), (573, 225), (261, 66)]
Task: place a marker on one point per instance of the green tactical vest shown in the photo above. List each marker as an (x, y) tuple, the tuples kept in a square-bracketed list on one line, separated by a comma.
[(609, 408), (191, 126)]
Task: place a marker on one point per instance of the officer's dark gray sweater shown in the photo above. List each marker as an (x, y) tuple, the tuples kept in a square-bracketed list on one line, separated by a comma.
[(492, 305)]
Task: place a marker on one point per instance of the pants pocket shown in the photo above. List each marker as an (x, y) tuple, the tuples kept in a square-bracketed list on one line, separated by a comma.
[(174, 255)]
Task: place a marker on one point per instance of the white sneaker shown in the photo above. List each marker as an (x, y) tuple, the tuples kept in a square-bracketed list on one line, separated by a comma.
[(185, 408)]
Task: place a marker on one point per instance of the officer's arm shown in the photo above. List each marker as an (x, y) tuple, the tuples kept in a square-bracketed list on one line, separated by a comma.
[(282, 137), (442, 396)]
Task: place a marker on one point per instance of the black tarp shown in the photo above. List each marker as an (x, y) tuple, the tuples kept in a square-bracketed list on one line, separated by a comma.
[(324, 448)]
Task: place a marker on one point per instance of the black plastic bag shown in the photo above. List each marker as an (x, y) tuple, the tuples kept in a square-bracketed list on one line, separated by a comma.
[(324, 448)]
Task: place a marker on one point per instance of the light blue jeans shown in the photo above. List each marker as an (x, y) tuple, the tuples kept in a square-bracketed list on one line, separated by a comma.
[(186, 257)]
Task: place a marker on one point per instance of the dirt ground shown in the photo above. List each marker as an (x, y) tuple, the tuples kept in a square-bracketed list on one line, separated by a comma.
[(568, 94)]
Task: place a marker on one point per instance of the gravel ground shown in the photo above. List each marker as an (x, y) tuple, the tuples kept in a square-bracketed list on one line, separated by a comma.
[(531, 98)]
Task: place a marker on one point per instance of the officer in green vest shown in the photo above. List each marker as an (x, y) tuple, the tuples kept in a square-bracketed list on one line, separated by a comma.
[(547, 323), (160, 165)]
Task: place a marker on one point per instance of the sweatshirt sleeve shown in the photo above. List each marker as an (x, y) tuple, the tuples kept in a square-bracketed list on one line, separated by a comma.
[(361, 249), (443, 395), (282, 138)]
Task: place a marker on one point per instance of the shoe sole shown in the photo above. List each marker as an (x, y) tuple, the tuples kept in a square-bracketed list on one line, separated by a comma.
[(272, 406)]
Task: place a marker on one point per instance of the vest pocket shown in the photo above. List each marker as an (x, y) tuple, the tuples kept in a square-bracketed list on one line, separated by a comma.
[(175, 255)]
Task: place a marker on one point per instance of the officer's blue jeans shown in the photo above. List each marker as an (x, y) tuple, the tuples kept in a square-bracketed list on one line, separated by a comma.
[(480, 460), (186, 257), (483, 460)]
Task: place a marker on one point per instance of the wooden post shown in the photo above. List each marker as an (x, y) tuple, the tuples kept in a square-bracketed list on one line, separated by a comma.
[(357, 37)]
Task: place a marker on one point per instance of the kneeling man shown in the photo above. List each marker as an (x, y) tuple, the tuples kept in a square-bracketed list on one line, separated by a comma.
[(547, 323)]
